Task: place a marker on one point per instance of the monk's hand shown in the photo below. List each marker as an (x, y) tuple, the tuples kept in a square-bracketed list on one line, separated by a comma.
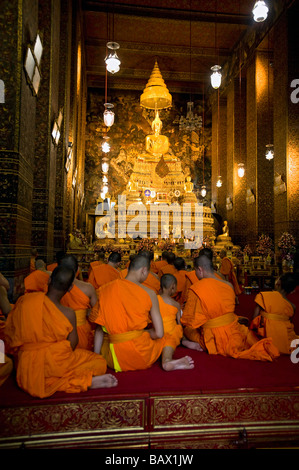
[(243, 321)]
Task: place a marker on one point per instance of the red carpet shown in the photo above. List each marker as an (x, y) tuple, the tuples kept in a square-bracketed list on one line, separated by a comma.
[(211, 373)]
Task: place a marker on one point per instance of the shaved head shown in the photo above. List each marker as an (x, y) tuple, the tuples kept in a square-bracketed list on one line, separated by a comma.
[(204, 262), (139, 261), (167, 280), (69, 261), (61, 279)]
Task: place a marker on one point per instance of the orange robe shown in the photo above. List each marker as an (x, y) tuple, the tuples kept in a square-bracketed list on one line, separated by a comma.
[(209, 312), (6, 363), (52, 266), (169, 315), (32, 264), (80, 303), (227, 269), (151, 281), (37, 281), (191, 278), (103, 274), (274, 320), (93, 264), (157, 265), (167, 269), (181, 281), (124, 309), (46, 362)]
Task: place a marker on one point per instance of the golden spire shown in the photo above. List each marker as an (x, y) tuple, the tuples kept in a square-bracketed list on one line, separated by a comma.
[(156, 95)]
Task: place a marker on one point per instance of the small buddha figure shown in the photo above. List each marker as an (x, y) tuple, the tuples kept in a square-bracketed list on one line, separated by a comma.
[(225, 233), (188, 185), (157, 143)]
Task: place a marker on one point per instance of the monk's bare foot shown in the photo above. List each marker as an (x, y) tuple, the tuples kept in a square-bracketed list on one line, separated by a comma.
[(104, 381), (177, 364), (191, 345)]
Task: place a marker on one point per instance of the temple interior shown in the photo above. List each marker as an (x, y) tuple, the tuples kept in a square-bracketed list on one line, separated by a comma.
[(186, 138)]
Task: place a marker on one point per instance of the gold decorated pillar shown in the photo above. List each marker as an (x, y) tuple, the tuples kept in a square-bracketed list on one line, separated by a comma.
[(219, 148), (286, 119), (259, 170), (236, 154)]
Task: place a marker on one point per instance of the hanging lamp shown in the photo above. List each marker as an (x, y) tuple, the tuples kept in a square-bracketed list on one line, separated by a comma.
[(260, 11)]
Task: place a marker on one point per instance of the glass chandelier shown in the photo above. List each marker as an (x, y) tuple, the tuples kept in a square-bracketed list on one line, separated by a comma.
[(219, 182), (192, 121)]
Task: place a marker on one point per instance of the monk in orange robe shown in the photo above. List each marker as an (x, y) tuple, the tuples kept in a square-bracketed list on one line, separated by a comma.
[(105, 273), (273, 314), (169, 267), (210, 320), (170, 309), (38, 280), (81, 298), (228, 271), (126, 307), (6, 363), (157, 265), (45, 335)]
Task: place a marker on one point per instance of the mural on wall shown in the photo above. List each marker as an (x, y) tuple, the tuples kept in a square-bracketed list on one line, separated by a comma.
[(127, 140)]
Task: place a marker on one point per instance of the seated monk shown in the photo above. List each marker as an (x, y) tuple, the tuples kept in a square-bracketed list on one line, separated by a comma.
[(126, 307), (209, 318), (169, 267), (157, 265), (105, 273), (38, 280), (228, 271), (170, 309), (6, 363), (191, 277), (273, 313), (44, 332), (81, 298)]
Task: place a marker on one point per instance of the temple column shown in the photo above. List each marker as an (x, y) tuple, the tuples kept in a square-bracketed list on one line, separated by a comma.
[(45, 150), (286, 118), (236, 153), (259, 120), (219, 162), (18, 29)]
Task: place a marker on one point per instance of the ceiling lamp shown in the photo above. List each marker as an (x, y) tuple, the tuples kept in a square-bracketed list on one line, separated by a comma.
[(106, 145), (203, 191), (260, 11), (105, 165), (219, 182), (269, 152), (216, 76), (241, 170), (108, 115), (112, 61)]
